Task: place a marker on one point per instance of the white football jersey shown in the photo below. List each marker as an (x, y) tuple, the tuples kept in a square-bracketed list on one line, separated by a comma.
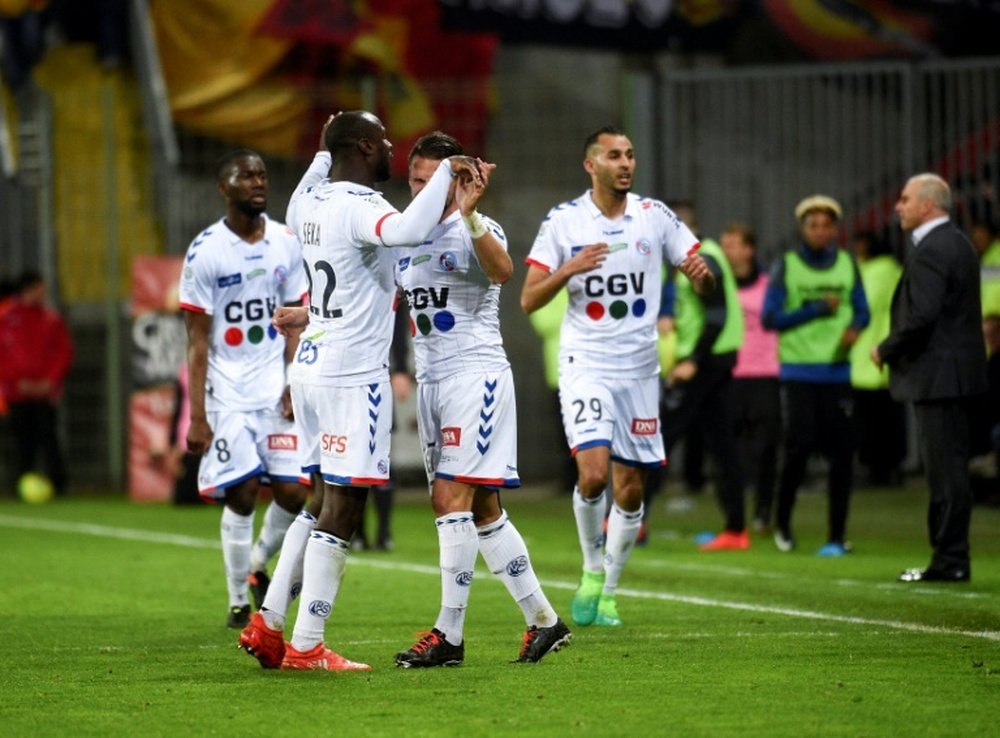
[(454, 308), (351, 285), (240, 285), (610, 325)]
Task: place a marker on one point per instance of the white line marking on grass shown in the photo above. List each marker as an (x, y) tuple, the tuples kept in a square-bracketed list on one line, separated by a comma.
[(105, 531)]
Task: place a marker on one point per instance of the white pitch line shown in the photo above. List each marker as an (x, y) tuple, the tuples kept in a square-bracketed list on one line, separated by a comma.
[(105, 531)]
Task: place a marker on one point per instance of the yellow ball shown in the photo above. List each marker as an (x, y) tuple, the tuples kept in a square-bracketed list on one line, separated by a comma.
[(34, 488)]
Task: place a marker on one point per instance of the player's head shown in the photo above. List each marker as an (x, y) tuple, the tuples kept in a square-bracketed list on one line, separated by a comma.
[(925, 197), (739, 243), (819, 217), (609, 160), (426, 154), (243, 181), (30, 287), (358, 133)]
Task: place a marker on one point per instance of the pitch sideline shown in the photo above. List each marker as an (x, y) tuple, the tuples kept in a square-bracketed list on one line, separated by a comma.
[(172, 539)]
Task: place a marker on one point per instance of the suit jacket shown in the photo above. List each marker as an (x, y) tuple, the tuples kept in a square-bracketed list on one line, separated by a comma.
[(935, 349)]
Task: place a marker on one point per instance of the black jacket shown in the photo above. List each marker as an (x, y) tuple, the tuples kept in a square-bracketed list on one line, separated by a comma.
[(935, 349)]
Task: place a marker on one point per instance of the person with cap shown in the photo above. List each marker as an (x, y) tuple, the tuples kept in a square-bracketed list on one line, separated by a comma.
[(816, 302)]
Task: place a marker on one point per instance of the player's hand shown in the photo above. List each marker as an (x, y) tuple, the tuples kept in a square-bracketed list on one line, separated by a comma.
[(322, 134), (685, 371), (289, 321), (876, 357), (402, 385), (287, 411), (697, 271), (464, 166), (849, 338), (587, 259), (199, 437), (468, 190)]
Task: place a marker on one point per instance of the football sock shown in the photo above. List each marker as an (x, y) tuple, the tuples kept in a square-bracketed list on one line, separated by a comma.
[(459, 547), (506, 555), (236, 532), (287, 578), (623, 529), (383, 506), (276, 522), (322, 570), (589, 514)]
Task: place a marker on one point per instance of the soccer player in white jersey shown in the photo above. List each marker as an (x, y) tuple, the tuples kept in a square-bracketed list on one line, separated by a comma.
[(466, 414), (237, 272), (608, 247), (340, 378)]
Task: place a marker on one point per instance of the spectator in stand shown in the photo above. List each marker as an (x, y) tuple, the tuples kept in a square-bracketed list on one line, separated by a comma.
[(755, 399), (38, 352), (817, 304), (880, 421)]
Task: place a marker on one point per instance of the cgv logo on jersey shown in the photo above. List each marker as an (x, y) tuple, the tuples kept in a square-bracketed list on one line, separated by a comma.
[(644, 426), (282, 442), (421, 298), (615, 285), (451, 436), (251, 310)]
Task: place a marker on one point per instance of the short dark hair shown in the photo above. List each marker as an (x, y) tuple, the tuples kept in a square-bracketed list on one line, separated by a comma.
[(743, 230), (28, 279), (603, 130), (436, 145), (226, 161)]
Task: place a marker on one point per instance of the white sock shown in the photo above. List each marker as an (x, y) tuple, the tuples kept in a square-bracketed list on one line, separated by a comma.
[(623, 529), (589, 516), (236, 532), (276, 522), (506, 555), (322, 571), (459, 547), (287, 579)]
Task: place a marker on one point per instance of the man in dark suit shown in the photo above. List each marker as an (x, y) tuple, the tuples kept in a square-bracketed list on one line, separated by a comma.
[(937, 360)]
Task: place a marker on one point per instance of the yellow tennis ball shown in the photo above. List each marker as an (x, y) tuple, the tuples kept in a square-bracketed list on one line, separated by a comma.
[(34, 488)]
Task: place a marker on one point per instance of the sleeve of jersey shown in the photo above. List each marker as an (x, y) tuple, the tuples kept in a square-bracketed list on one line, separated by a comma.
[(297, 284), (411, 226), (195, 292), (319, 168), (544, 253), (680, 242)]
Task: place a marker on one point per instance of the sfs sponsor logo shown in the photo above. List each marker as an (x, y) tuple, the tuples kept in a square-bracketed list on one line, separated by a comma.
[(332, 444), (644, 426)]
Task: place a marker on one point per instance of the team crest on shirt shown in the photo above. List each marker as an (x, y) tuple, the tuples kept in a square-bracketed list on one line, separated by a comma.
[(451, 436), (644, 426), (643, 247), (448, 261), (280, 274)]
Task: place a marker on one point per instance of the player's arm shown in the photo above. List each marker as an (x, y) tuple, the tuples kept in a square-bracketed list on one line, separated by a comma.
[(540, 286), (290, 320), (410, 227), (491, 254), (697, 271), (199, 328), (318, 169), (291, 346)]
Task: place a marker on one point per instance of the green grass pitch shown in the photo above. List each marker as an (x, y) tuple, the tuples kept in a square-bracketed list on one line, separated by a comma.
[(113, 622)]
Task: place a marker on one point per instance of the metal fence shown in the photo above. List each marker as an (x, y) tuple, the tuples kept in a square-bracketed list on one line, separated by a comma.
[(742, 144)]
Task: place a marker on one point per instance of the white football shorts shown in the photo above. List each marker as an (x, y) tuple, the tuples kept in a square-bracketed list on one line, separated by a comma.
[(256, 443), (345, 431), (468, 429), (622, 414)]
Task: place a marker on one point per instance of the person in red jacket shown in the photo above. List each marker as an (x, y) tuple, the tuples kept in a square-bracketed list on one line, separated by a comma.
[(37, 353)]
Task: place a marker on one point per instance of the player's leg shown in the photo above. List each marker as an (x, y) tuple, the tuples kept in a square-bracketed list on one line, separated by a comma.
[(350, 464), (506, 555), (236, 531)]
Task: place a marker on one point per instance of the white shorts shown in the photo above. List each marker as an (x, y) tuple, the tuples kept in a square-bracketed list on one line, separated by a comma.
[(345, 432), (468, 429), (622, 414), (258, 443)]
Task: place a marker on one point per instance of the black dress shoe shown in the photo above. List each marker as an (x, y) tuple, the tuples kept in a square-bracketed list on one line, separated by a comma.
[(957, 574)]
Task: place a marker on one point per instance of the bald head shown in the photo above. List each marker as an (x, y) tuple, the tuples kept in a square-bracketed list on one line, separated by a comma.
[(924, 198), (358, 147)]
